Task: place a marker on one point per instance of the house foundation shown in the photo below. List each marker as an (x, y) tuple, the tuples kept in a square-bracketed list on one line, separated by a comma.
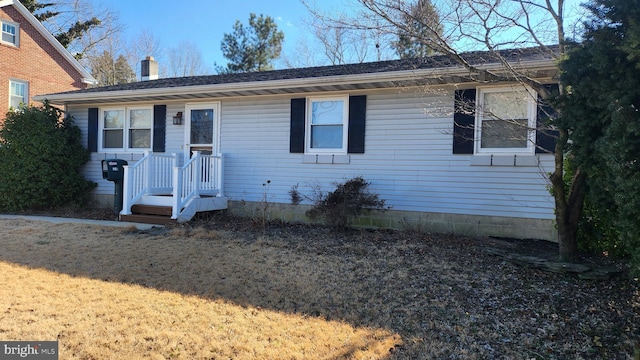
[(470, 225)]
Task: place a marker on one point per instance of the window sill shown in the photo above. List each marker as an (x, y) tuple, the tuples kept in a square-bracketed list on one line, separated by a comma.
[(122, 151), (10, 45), (504, 160), (325, 159)]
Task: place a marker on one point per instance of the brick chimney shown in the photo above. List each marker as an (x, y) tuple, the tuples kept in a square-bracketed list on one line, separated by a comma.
[(149, 69)]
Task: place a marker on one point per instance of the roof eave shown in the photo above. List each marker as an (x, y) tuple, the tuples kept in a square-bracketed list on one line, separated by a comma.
[(298, 84)]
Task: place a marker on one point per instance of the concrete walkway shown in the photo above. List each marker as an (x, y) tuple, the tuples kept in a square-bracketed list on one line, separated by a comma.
[(61, 220)]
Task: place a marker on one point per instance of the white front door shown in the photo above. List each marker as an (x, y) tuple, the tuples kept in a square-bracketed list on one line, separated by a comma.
[(202, 123)]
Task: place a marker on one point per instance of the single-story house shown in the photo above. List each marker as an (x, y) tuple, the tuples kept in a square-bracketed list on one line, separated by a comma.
[(243, 141)]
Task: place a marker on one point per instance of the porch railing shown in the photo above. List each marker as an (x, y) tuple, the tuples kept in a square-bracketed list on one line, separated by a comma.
[(159, 174), (201, 175)]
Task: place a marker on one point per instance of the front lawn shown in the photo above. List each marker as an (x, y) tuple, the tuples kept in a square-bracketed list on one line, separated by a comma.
[(220, 290)]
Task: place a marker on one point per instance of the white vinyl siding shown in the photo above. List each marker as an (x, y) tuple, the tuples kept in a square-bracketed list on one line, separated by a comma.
[(409, 160), (10, 33), (175, 133)]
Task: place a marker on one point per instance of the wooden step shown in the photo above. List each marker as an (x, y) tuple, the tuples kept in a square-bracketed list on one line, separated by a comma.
[(148, 219), (151, 210)]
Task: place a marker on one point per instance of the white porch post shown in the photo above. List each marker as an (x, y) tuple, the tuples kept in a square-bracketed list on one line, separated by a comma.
[(148, 176), (127, 190), (196, 178), (177, 192), (220, 175), (174, 161)]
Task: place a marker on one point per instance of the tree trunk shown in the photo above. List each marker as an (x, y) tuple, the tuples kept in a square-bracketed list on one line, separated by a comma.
[(567, 241), (568, 201)]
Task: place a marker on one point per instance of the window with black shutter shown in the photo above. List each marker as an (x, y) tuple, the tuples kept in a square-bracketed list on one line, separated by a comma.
[(502, 120), (132, 129), (328, 125)]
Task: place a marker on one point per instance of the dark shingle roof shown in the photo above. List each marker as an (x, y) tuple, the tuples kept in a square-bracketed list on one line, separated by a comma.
[(432, 62)]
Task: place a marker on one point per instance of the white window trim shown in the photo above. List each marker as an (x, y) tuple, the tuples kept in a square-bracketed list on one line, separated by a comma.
[(14, 24), (25, 99), (345, 125), (125, 130), (531, 123)]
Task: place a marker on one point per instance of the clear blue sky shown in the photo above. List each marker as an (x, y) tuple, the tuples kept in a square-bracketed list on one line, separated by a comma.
[(204, 22)]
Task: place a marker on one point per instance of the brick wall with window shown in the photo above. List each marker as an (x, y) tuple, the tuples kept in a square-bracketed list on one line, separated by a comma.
[(32, 61)]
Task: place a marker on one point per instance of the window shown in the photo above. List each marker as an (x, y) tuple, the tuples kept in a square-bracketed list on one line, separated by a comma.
[(327, 125), (126, 128), (505, 120), (140, 124), (10, 33), (468, 133), (18, 93)]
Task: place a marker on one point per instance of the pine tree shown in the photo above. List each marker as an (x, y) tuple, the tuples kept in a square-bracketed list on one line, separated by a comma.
[(253, 47), (602, 109), (419, 28), (110, 71)]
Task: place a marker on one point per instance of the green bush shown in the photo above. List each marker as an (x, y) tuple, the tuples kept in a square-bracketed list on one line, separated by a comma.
[(346, 202), (597, 230), (40, 160)]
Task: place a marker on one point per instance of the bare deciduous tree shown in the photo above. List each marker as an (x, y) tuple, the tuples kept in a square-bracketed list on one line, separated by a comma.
[(185, 60), (302, 55), (107, 63), (109, 70), (80, 25), (339, 42), (145, 44), (492, 26)]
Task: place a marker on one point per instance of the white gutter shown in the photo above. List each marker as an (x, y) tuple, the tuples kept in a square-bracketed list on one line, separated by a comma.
[(399, 76), (89, 81)]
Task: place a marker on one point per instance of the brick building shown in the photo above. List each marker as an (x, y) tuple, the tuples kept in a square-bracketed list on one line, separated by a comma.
[(32, 61)]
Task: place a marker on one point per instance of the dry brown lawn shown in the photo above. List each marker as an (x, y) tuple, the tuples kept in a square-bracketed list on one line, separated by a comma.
[(218, 290)]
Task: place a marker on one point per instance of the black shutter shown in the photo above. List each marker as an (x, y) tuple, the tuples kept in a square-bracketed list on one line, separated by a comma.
[(296, 133), (92, 140), (464, 121), (357, 114), (159, 127), (546, 138)]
